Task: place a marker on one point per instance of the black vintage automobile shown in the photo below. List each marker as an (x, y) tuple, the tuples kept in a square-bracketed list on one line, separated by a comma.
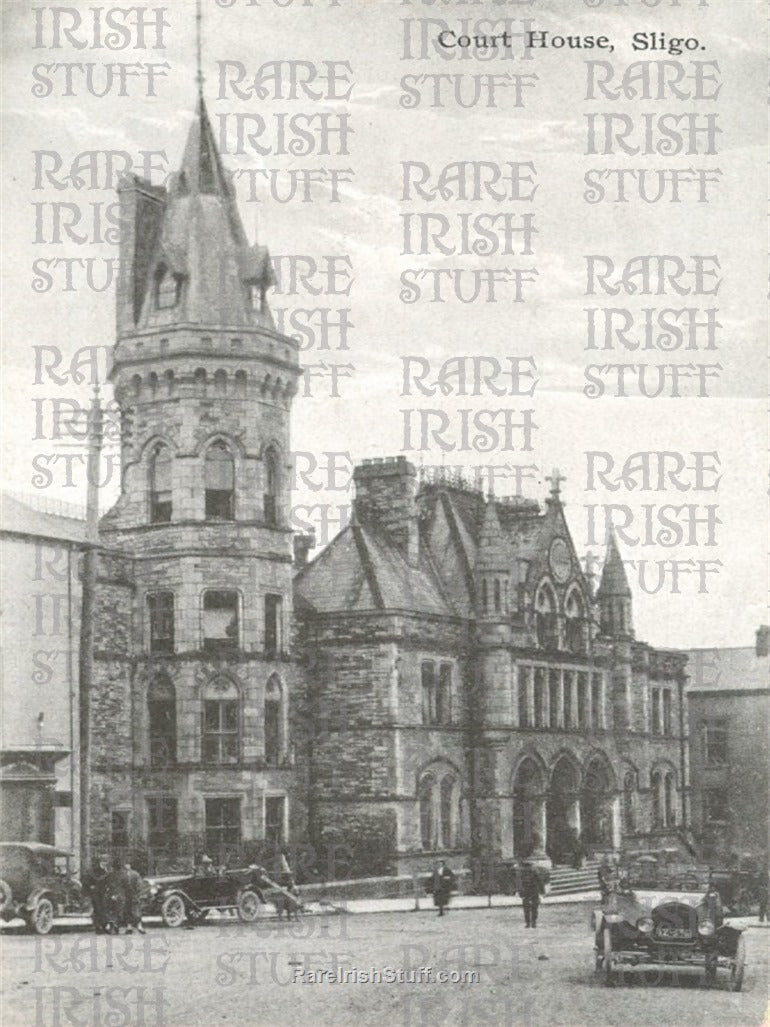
[(677, 934), (191, 898), (37, 884)]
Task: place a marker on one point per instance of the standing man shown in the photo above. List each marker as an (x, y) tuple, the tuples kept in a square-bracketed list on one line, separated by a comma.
[(531, 888), (95, 885), (133, 891), (442, 883)]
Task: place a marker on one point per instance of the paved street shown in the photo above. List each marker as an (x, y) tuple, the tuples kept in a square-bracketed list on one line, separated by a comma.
[(232, 974)]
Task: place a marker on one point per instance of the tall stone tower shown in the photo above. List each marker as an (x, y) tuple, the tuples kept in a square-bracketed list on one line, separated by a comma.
[(192, 691)]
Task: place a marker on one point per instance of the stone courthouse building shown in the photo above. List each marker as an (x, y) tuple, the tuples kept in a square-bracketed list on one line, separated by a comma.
[(440, 679)]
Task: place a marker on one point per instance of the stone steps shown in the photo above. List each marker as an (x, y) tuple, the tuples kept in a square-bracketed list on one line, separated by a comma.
[(566, 880)]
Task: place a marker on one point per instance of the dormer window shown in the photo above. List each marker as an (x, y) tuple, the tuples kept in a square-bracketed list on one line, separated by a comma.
[(168, 288), (255, 292)]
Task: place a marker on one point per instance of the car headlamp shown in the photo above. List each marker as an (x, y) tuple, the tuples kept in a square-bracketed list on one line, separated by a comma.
[(706, 928), (154, 889), (645, 925)]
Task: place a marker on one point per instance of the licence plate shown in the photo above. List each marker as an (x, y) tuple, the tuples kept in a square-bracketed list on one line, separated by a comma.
[(680, 933)]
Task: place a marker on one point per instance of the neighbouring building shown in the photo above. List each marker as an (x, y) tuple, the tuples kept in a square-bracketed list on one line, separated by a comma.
[(729, 711), (40, 548)]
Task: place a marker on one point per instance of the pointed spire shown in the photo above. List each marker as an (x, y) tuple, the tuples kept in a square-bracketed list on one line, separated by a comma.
[(614, 581), (199, 47), (202, 170), (493, 554)]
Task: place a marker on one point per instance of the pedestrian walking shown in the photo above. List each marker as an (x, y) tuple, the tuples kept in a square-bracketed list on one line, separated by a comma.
[(115, 898), (95, 885), (442, 883), (132, 883), (531, 887)]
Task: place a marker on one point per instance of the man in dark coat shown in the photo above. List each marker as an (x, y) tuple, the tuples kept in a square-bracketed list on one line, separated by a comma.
[(95, 885), (531, 888), (442, 883)]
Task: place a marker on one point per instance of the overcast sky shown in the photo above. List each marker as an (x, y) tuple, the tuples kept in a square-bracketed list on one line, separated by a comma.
[(550, 325)]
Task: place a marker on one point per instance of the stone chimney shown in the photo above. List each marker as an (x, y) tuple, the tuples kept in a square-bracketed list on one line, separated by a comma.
[(385, 499), (763, 638), (302, 546)]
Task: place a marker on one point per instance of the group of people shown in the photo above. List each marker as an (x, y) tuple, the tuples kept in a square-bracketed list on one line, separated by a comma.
[(115, 889), (530, 886)]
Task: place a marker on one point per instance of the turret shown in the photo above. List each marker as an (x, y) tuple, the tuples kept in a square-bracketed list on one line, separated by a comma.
[(614, 595), (493, 568)]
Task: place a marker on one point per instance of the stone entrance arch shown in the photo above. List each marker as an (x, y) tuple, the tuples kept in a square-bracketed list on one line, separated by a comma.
[(528, 807), (563, 810), (599, 805)]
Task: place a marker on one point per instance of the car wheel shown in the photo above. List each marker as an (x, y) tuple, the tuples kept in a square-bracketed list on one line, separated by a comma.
[(40, 920), (739, 963), (608, 961), (5, 895), (248, 906), (173, 911)]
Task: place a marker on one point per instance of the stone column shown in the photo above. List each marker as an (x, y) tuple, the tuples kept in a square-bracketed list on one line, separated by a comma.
[(531, 697), (516, 671), (546, 686), (616, 823), (561, 721)]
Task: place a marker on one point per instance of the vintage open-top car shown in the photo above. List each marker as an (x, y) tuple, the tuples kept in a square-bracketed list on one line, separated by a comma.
[(37, 884), (191, 897), (678, 934)]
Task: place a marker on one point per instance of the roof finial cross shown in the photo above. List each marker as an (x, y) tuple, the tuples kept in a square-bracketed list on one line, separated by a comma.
[(555, 479), (198, 46)]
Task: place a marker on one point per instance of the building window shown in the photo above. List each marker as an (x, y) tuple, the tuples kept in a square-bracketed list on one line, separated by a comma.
[(168, 289), (275, 818), (582, 700), (160, 610), (273, 719), (219, 474), (425, 795), (655, 713), (444, 694), (256, 294), (546, 625), (667, 724), (498, 600), (162, 831), (657, 807), (539, 697), (160, 485), (223, 828), (119, 837), (715, 743), (220, 621), (484, 597), (573, 626), (428, 675), (270, 498), (524, 674), (553, 699), (448, 802), (715, 807), (273, 611), (161, 714), (568, 717), (629, 812), (596, 702), (669, 807), (221, 722)]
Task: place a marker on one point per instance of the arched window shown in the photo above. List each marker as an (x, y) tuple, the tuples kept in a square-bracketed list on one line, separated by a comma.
[(168, 379), (160, 485), (220, 383), (629, 813), (273, 721), (545, 618), (161, 716), (428, 676), (444, 694), (448, 811), (221, 722), (574, 612), (240, 383), (498, 601), (219, 478), (425, 796), (484, 596), (272, 486), (167, 289)]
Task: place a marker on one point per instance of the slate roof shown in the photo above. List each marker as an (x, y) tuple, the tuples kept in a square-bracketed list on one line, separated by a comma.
[(25, 518)]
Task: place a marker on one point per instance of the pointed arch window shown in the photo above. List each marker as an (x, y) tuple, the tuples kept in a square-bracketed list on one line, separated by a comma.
[(574, 611), (161, 716), (219, 478), (629, 812), (160, 485), (168, 288), (498, 596), (448, 803), (425, 798), (657, 807), (272, 486), (669, 806), (546, 626), (273, 721)]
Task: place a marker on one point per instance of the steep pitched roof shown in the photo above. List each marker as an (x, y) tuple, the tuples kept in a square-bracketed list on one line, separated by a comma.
[(614, 581), (493, 552)]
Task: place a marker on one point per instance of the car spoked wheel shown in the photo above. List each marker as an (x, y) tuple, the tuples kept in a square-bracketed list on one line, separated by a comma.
[(41, 918), (609, 959), (173, 911), (739, 964), (248, 906)]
